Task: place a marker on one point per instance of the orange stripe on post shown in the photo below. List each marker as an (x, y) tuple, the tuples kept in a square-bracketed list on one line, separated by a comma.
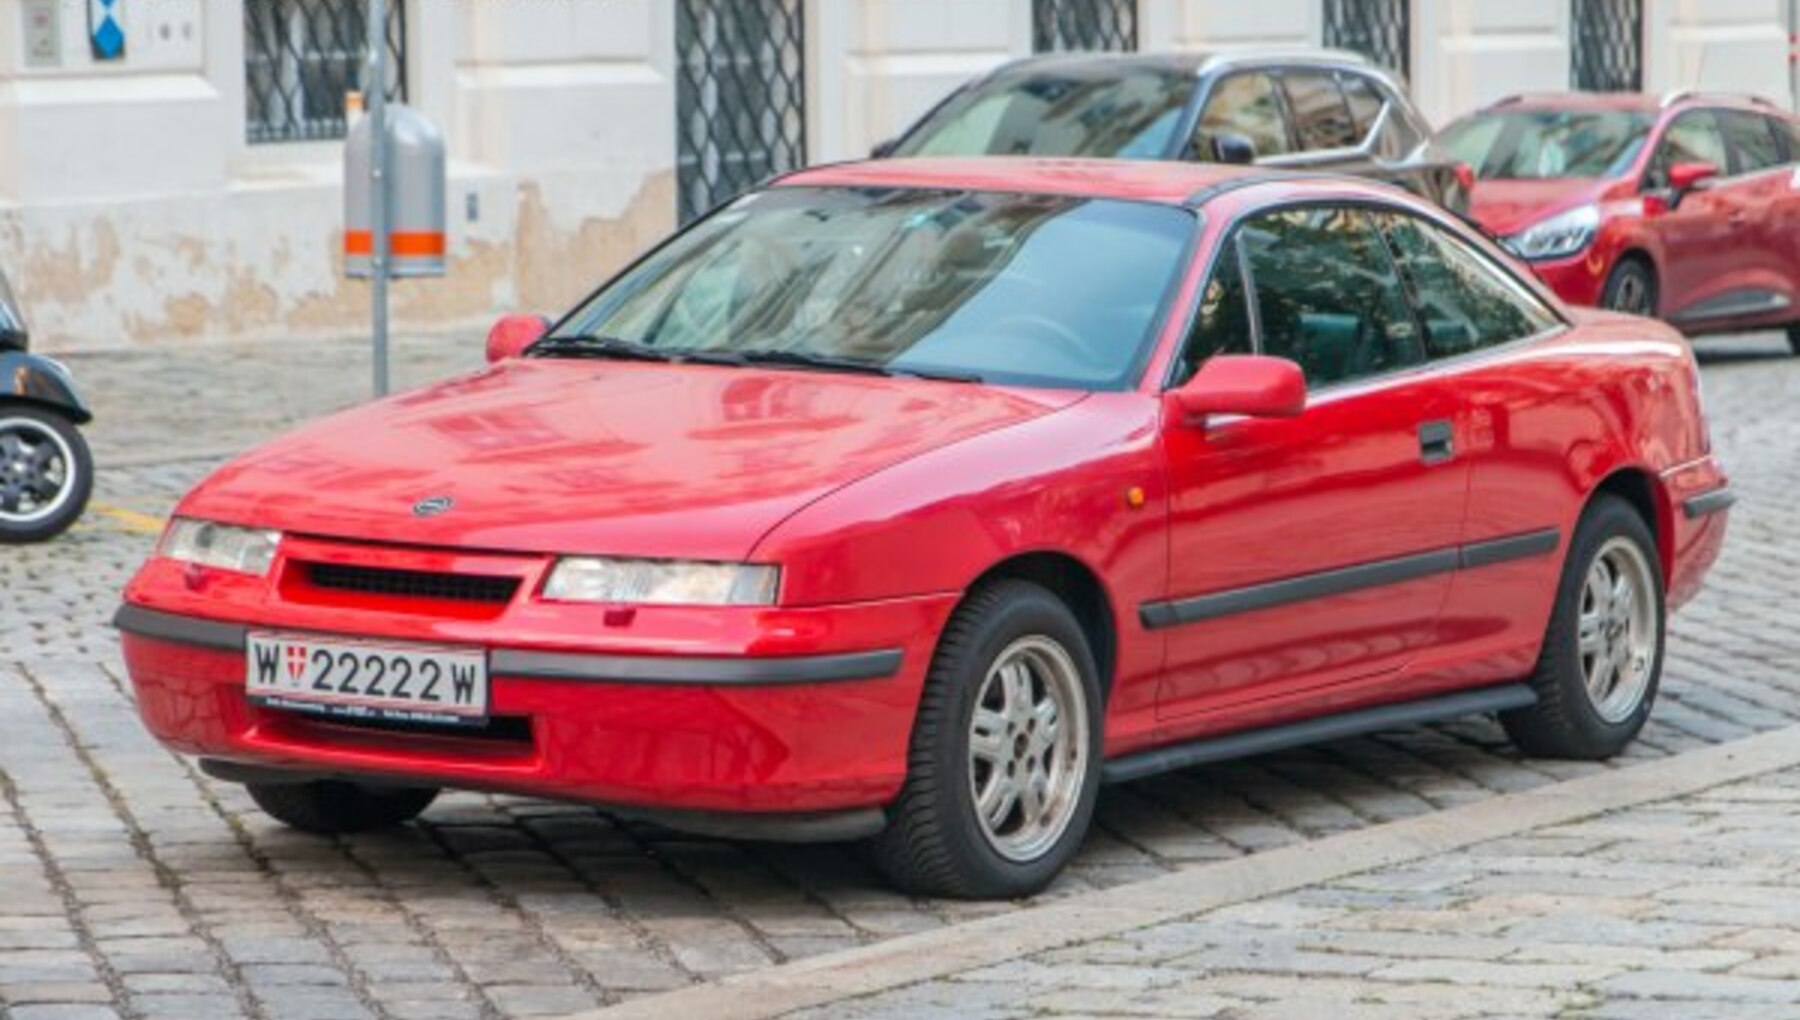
[(418, 245)]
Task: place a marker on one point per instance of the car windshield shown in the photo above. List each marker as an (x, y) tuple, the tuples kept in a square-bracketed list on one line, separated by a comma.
[(1035, 290), (1129, 113), (1526, 145)]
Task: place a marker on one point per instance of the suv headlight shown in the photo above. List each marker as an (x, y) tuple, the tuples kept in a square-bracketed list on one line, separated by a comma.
[(662, 582), (221, 546), (1559, 236)]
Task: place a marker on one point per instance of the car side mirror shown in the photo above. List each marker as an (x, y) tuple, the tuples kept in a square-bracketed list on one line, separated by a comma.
[(1233, 148), (512, 334), (883, 150), (1686, 177), (1254, 385), (12, 321)]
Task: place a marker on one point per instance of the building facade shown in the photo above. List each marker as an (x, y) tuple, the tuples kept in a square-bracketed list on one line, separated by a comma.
[(171, 170)]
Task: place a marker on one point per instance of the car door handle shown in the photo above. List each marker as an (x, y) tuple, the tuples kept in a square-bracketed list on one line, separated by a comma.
[(1437, 442)]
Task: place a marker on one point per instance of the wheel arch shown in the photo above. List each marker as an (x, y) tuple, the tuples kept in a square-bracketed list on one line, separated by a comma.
[(1645, 494), (1080, 588)]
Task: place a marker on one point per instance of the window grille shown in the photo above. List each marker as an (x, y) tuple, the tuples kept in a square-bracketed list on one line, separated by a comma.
[(740, 97), (302, 56), (1062, 25), (1378, 29), (1606, 52)]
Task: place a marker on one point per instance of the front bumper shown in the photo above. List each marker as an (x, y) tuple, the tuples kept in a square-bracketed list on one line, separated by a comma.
[(690, 715)]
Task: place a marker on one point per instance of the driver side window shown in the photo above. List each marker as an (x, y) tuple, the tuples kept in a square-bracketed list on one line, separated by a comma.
[(1244, 104), (1694, 137)]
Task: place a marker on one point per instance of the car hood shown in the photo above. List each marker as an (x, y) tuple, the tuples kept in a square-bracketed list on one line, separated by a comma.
[(1504, 208), (601, 457)]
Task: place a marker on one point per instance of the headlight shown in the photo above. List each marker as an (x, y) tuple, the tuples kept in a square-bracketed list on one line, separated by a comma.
[(1557, 237), (244, 550), (664, 582)]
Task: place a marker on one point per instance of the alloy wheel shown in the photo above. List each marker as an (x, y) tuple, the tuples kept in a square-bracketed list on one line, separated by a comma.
[(1617, 629), (36, 471), (1028, 748)]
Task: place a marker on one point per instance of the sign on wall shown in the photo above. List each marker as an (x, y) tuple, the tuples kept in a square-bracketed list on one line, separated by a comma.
[(43, 33), (106, 29)]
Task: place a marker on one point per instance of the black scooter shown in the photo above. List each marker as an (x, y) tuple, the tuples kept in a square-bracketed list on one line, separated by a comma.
[(46, 470)]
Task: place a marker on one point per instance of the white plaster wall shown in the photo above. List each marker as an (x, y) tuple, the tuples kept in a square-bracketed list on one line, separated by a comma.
[(1726, 45), (1467, 53), (1213, 25)]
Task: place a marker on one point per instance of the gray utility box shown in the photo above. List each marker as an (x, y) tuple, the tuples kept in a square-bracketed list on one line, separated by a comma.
[(415, 188)]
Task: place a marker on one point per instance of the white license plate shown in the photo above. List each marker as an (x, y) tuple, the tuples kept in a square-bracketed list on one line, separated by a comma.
[(367, 680)]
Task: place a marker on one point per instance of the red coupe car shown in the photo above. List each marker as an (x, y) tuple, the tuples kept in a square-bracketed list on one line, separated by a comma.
[(915, 500), (1686, 208)]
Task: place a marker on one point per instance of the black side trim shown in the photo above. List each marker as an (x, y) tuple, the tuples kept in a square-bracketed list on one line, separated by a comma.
[(1297, 589), (1313, 731), (1732, 304), (1512, 547), (1709, 503), (1157, 615), (185, 630), (661, 669)]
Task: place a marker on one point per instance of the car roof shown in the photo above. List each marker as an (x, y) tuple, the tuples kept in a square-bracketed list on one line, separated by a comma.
[(1168, 183), (1101, 65), (1634, 102)]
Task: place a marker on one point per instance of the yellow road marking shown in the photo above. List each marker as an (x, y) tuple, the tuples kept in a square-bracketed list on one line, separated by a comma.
[(143, 524)]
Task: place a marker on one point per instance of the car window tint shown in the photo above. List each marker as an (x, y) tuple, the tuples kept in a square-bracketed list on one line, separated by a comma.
[(1320, 117), (1365, 103), (1327, 295), (1222, 322), (1244, 104), (1693, 138), (1790, 132), (1751, 140), (1124, 113), (1464, 300)]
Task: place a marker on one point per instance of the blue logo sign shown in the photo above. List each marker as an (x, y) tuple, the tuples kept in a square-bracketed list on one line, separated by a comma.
[(105, 32)]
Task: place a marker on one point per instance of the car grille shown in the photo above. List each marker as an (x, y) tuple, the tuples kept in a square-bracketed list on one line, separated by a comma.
[(417, 584)]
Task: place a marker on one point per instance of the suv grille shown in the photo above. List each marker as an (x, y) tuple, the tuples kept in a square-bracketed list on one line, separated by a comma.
[(416, 584)]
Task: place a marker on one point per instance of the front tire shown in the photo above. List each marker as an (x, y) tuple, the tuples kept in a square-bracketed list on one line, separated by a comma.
[(1630, 287), (46, 474), (331, 807), (1004, 766), (1794, 338), (1598, 672)]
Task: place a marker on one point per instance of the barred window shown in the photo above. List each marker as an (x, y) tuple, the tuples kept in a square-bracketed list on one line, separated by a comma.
[(302, 56), (1378, 29), (1059, 26)]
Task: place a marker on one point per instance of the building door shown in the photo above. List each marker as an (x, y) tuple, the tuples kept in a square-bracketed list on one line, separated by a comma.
[(1378, 29), (740, 97), (1059, 26), (1606, 46)]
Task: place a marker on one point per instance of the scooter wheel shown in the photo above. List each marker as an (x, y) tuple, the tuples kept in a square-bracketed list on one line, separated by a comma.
[(46, 474)]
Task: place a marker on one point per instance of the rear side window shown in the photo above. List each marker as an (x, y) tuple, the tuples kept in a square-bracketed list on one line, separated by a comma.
[(1321, 118), (1244, 104), (1327, 295), (1465, 302), (1751, 139)]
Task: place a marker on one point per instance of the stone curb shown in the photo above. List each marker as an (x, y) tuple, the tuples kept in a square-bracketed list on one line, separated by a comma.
[(821, 980)]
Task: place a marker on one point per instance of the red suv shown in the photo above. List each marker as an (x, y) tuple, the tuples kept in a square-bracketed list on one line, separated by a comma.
[(1684, 208)]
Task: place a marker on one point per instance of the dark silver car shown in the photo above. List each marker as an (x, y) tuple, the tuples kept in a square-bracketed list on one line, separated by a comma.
[(46, 471), (1311, 110)]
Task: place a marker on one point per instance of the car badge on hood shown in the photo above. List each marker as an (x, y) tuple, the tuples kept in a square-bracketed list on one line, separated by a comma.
[(433, 506)]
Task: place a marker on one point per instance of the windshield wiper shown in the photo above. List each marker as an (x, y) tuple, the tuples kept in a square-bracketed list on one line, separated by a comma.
[(588, 346), (828, 363)]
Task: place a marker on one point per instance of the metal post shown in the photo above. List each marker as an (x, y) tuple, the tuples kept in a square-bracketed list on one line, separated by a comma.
[(376, 91)]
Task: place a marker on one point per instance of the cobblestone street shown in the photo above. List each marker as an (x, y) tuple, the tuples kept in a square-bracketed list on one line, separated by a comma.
[(135, 887)]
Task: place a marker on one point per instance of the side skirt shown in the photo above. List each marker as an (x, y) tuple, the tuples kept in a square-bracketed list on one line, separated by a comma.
[(1313, 731)]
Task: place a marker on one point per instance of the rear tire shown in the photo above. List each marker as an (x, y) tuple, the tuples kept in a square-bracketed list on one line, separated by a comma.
[(1004, 766), (1630, 287), (1598, 672), (329, 807), (1794, 338), (46, 474)]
